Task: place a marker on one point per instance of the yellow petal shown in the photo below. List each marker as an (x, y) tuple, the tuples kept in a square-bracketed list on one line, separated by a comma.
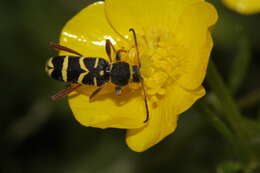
[(163, 120), (144, 14), (86, 33), (107, 111), (187, 20), (243, 6), (196, 43)]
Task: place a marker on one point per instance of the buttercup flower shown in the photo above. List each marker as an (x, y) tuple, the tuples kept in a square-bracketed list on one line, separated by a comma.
[(174, 44), (243, 6)]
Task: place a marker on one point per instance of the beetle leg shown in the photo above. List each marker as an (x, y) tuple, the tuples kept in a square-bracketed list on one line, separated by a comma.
[(63, 48), (64, 92), (91, 97), (118, 90), (108, 47), (118, 54)]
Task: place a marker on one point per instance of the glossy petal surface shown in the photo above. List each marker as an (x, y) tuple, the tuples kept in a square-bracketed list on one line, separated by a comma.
[(86, 33)]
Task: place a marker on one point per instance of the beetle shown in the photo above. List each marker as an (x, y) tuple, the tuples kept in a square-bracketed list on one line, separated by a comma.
[(95, 71)]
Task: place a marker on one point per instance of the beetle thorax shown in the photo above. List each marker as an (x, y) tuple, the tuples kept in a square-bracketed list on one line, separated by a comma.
[(120, 73)]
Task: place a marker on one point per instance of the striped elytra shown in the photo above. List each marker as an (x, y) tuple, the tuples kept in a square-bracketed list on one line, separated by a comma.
[(78, 69)]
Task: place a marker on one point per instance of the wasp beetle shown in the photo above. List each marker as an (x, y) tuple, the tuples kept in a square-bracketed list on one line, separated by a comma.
[(94, 71)]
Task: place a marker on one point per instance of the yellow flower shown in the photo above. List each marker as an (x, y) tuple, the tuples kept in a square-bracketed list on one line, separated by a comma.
[(174, 43), (243, 6)]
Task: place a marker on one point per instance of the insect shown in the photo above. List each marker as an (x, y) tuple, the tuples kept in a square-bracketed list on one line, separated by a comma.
[(95, 71)]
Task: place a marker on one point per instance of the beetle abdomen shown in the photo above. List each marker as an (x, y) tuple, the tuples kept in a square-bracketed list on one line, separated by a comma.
[(77, 69)]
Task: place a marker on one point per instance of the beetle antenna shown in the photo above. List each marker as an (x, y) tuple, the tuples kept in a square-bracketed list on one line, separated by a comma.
[(142, 81), (63, 48), (145, 102)]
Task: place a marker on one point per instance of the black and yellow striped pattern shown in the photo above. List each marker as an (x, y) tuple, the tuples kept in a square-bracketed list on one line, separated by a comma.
[(78, 69)]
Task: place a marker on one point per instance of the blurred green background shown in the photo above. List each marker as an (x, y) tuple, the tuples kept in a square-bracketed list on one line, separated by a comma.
[(40, 135)]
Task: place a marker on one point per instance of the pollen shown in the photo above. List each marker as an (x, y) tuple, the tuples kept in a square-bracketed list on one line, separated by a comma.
[(159, 63)]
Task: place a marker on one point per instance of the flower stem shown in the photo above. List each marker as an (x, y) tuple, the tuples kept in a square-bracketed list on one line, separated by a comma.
[(230, 110), (216, 83), (214, 119)]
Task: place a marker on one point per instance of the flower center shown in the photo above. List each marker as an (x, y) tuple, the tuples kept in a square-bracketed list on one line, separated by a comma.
[(159, 63)]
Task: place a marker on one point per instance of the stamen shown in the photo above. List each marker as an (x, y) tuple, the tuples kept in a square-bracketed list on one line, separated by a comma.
[(159, 64)]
